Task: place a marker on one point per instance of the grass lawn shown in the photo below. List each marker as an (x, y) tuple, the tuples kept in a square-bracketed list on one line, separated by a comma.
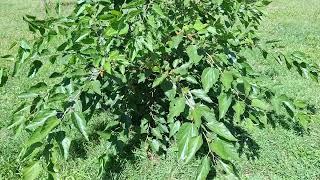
[(279, 153)]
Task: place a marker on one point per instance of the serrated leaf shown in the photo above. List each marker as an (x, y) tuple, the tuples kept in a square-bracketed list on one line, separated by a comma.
[(224, 101), (80, 123), (227, 79), (224, 150), (203, 169), (32, 172), (199, 93), (209, 77), (192, 52)]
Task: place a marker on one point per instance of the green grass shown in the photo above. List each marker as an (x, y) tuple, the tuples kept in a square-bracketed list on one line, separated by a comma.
[(280, 153)]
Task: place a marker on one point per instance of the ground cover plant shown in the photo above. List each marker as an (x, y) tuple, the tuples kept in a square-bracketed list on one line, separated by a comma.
[(196, 75)]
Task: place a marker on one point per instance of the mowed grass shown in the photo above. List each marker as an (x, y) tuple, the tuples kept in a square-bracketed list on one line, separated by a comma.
[(279, 153)]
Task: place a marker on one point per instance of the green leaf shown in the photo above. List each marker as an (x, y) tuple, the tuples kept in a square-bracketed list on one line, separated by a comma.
[(199, 93), (290, 107), (209, 77), (7, 57), (194, 145), (174, 128), (196, 114), (184, 135), (124, 29), (203, 169), (303, 119), (228, 169), (239, 109), (224, 149), (177, 106), (159, 80), (199, 25), (155, 145), (39, 86), (224, 101), (191, 79), (34, 68), (175, 41), (192, 52), (133, 4), (80, 123), (158, 10), (149, 43), (32, 172), (17, 120), (41, 132), (28, 95), (227, 79), (261, 104), (83, 35), (156, 133), (3, 76), (65, 143), (95, 86), (220, 129), (41, 118), (25, 45)]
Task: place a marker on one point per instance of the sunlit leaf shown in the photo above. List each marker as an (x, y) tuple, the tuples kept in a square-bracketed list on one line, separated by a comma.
[(227, 79), (224, 149), (32, 172), (224, 101), (184, 135), (80, 122), (203, 169), (192, 52), (208, 78), (201, 94)]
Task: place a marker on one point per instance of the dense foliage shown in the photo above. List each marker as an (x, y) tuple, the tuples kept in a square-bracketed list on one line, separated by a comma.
[(169, 72)]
